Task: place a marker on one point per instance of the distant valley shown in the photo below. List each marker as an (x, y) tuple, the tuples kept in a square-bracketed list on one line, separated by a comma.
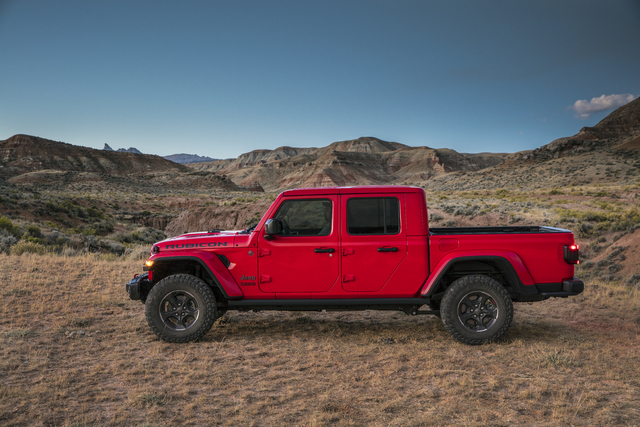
[(62, 197), (611, 149)]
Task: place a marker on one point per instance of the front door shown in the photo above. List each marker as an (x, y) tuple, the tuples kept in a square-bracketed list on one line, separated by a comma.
[(374, 240), (304, 257)]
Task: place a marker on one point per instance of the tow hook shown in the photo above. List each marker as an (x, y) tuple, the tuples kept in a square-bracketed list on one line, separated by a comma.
[(136, 285)]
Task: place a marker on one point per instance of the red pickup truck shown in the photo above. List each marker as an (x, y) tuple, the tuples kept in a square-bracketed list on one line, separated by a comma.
[(355, 248)]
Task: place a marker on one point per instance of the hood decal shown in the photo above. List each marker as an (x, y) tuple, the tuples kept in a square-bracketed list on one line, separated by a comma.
[(196, 245)]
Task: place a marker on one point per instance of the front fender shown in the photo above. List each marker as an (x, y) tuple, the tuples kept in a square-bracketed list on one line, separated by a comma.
[(509, 260), (211, 263)]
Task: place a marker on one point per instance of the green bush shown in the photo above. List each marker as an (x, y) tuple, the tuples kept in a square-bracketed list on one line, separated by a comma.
[(141, 235), (29, 247), (33, 231), (103, 227), (95, 213), (6, 224)]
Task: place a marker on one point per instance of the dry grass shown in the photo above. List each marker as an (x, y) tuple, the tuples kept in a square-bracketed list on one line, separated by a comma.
[(75, 351)]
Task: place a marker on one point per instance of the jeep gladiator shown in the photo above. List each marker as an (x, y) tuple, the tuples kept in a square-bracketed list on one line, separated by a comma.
[(355, 248)]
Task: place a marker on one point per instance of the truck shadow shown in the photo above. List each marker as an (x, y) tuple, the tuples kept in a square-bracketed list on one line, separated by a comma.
[(367, 326), (314, 325)]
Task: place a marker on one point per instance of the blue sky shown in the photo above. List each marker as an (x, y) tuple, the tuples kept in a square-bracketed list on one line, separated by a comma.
[(220, 78)]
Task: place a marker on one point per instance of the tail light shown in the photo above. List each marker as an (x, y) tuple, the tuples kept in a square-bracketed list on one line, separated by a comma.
[(572, 254)]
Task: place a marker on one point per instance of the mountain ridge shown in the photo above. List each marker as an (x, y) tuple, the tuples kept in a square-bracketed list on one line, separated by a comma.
[(31, 160), (361, 161), (183, 158)]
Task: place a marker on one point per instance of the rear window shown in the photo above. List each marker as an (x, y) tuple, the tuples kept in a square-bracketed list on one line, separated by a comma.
[(373, 215)]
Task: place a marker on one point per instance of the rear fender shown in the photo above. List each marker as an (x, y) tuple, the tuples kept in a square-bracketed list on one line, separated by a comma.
[(511, 265), (210, 263)]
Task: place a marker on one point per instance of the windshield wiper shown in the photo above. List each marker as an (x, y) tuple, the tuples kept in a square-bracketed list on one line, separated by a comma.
[(248, 230)]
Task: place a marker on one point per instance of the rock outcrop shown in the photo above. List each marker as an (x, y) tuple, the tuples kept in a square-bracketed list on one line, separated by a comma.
[(184, 159), (620, 129), (362, 161), (29, 160)]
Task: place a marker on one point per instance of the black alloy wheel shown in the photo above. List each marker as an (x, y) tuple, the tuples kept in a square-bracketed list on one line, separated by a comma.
[(181, 308), (476, 310)]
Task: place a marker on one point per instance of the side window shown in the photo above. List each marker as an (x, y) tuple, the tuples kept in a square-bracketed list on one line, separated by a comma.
[(376, 215), (310, 217)]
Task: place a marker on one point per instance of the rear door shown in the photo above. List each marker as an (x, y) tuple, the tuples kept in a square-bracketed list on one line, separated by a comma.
[(374, 240)]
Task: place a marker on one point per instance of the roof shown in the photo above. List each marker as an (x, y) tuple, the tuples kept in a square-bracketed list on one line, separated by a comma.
[(364, 189)]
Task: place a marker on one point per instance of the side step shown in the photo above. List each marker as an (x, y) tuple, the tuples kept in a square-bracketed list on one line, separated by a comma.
[(407, 305)]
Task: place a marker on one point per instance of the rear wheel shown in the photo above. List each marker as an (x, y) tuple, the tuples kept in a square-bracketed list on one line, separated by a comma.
[(180, 308), (476, 310)]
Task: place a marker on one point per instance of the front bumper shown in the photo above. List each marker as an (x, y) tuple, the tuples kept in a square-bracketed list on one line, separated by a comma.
[(138, 287)]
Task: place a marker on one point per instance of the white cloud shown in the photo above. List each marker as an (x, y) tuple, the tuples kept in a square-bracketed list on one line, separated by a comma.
[(584, 108)]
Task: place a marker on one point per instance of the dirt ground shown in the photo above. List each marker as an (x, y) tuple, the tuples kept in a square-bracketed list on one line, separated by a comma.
[(75, 351)]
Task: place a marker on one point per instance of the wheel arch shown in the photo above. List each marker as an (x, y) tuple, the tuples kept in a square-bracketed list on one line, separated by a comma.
[(207, 267), (498, 267)]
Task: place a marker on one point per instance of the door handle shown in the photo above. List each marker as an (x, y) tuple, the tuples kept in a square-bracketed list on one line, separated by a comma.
[(324, 250), (387, 249)]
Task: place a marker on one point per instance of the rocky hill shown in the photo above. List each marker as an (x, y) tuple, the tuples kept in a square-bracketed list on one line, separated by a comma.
[(604, 153), (188, 158), (122, 150), (29, 160), (362, 161)]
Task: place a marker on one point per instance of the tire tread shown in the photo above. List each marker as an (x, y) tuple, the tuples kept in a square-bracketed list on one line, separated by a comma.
[(205, 291), (465, 284)]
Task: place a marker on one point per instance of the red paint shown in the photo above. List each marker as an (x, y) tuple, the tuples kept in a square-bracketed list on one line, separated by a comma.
[(406, 263)]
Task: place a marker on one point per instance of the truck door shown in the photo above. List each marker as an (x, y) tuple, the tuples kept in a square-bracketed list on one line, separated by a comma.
[(304, 257), (374, 240)]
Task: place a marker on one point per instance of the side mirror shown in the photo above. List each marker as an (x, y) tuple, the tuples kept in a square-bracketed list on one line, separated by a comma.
[(272, 228)]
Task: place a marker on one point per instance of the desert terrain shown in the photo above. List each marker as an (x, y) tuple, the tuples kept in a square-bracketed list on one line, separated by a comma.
[(77, 223)]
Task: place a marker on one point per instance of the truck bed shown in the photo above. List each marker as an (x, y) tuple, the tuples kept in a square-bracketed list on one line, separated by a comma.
[(526, 229)]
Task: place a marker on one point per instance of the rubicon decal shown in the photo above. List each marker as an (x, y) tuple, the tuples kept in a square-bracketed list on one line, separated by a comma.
[(196, 245)]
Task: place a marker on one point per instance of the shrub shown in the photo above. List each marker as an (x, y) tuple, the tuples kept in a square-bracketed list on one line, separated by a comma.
[(584, 229), (139, 253), (6, 224), (434, 217), (634, 280), (112, 246), (253, 220), (141, 235), (33, 231), (587, 264), (95, 213), (28, 247), (6, 241), (614, 268), (103, 227)]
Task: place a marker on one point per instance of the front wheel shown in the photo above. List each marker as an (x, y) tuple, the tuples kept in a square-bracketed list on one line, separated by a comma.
[(476, 310), (180, 308)]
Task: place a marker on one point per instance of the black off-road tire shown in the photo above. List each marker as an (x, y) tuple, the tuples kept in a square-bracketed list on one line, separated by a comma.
[(180, 308), (476, 310)]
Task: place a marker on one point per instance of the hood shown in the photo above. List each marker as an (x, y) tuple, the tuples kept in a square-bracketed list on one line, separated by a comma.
[(202, 240)]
